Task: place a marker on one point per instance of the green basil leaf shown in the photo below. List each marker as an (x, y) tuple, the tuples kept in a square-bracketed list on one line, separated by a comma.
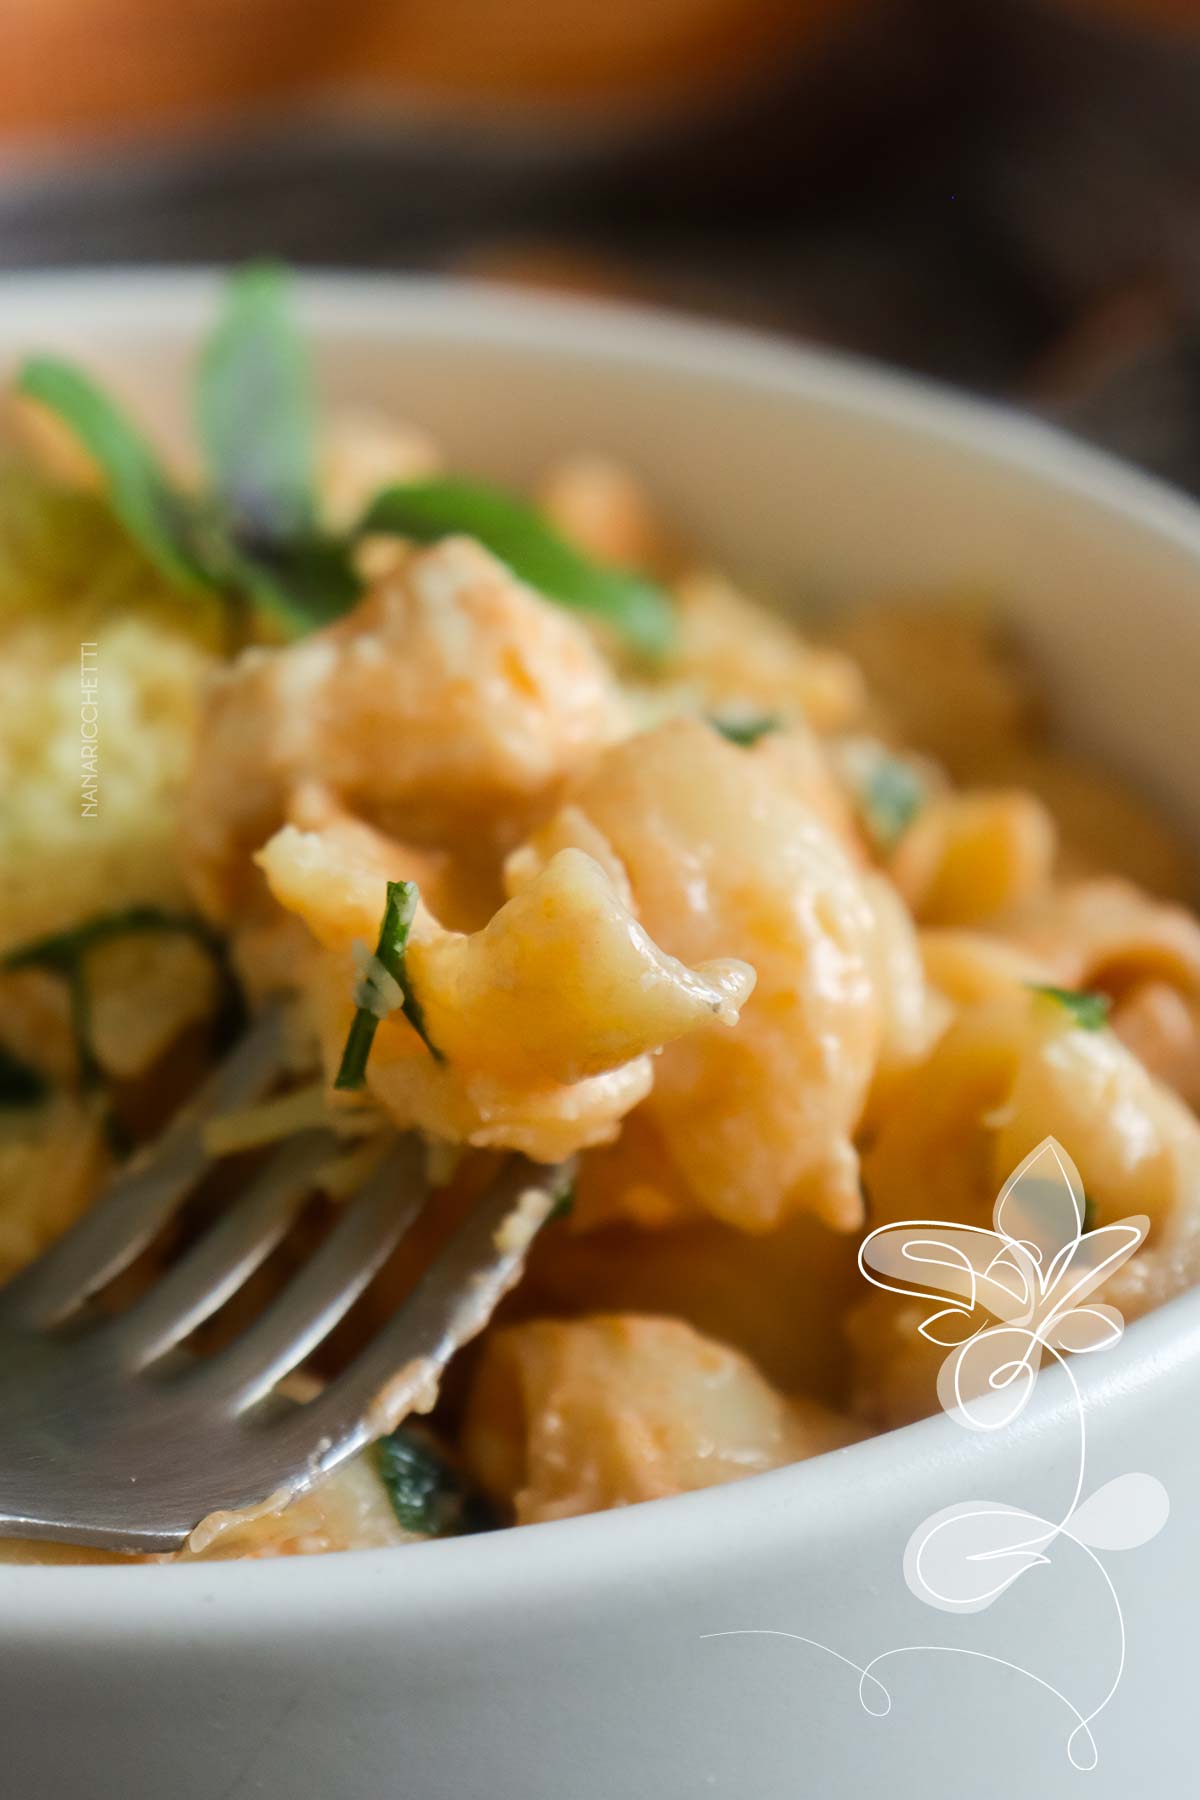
[(636, 608), (254, 537), (303, 584), (153, 512), (428, 1496), (20, 1085), (255, 411), (1089, 1011)]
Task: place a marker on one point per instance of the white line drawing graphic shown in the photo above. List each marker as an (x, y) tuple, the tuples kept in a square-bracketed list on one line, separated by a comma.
[(1017, 1293)]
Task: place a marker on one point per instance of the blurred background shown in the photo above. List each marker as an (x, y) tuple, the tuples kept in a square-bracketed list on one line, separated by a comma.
[(1003, 193)]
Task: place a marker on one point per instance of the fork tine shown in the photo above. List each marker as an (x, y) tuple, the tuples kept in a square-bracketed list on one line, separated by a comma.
[(226, 1256), (450, 1304), (143, 1196), (311, 1305)]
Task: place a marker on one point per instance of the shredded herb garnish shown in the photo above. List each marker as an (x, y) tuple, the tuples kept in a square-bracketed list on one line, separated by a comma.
[(889, 800), (564, 1203), (20, 1085), (428, 510), (398, 914), (65, 953), (428, 1496), (1089, 1011), (745, 729)]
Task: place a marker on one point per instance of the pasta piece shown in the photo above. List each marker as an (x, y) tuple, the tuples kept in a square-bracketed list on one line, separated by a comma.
[(460, 888), (1009, 1072), (348, 1510), (722, 857), (968, 966), (52, 1161), (945, 676), (1162, 1029), (361, 452), (35, 1022), (445, 707), (968, 858), (601, 508), (569, 829), (632, 1180), (1108, 935), (895, 1369), (1105, 826), (564, 982), (544, 1019), (739, 655), (144, 990), (778, 1298), (576, 1417), (912, 1015), (800, 758)]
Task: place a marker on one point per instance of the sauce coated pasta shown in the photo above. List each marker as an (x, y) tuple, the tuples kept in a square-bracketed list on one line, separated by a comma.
[(779, 935)]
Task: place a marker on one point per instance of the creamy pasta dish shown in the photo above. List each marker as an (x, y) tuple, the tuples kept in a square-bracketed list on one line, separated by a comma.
[(551, 838)]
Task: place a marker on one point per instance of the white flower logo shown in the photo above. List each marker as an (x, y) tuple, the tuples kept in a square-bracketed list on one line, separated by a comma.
[(1017, 1291)]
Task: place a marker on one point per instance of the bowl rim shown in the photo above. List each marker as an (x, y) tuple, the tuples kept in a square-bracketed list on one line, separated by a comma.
[(562, 1560)]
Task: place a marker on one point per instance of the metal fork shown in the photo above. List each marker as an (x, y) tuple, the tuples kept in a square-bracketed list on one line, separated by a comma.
[(110, 1435)]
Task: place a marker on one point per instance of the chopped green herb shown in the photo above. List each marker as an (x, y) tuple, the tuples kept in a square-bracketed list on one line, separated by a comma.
[(65, 953), (20, 1085), (390, 950), (428, 1496), (1089, 1011), (564, 1204), (635, 607), (745, 729), (889, 800)]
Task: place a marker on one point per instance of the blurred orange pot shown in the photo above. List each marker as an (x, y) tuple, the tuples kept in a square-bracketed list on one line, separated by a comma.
[(72, 66)]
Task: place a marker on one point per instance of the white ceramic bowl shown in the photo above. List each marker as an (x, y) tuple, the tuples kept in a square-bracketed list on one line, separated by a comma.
[(572, 1661)]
